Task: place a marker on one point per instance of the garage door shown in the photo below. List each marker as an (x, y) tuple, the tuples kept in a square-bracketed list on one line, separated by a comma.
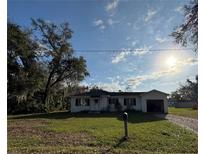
[(155, 105)]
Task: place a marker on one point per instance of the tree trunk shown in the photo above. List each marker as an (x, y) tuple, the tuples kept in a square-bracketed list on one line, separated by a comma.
[(47, 89), (45, 96)]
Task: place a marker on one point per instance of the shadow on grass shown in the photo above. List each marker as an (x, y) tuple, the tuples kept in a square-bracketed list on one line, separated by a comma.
[(133, 116), (120, 141), (139, 117)]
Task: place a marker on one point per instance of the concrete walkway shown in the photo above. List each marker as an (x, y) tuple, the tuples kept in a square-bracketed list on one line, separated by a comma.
[(188, 123)]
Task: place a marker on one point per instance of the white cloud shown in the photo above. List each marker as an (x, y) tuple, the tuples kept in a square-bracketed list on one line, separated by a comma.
[(111, 22), (104, 24), (160, 40), (149, 15), (113, 85), (141, 51), (134, 43), (102, 27), (179, 9), (189, 61), (135, 81), (99, 23), (121, 56), (112, 6)]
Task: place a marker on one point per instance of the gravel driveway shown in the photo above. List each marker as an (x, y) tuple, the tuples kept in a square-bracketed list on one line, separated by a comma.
[(189, 123)]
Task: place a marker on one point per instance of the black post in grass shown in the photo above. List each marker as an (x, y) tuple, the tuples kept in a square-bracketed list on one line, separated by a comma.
[(125, 118)]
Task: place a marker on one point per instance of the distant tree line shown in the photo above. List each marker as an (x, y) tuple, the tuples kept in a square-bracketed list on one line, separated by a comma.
[(42, 68), (187, 92)]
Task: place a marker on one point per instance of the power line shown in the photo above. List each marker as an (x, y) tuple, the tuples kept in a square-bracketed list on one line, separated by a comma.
[(131, 50)]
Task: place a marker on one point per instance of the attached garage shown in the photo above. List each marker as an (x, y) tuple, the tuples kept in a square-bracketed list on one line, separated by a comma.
[(155, 105), (154, 101)]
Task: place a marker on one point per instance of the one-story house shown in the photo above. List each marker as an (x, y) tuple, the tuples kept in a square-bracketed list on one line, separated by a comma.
[(99, 100)]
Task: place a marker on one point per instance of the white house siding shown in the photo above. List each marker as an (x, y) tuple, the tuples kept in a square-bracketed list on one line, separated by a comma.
[(94, 106), (103, 103), (154, 95), (136, 107), (75, 108), (100, 106)]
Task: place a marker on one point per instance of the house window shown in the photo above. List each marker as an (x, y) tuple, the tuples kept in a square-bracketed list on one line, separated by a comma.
[(133, 101), (126, 101), (77, 102), (113, 100), (109, 101), (96, 101), (87, 102), (129, 101)]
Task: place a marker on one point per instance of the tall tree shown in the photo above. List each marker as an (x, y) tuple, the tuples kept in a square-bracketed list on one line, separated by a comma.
[(58, 55), (187, 32)]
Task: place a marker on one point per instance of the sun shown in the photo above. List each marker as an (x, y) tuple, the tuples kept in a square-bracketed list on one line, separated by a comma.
[(171, 61)]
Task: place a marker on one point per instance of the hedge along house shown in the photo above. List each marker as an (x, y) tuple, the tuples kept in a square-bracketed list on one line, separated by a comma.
[(100, 100)]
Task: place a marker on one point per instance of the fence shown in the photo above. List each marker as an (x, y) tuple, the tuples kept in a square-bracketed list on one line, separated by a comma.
[(185, 104)]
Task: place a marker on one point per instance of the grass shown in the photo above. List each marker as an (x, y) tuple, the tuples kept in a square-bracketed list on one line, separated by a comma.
[(185, 112), (96, 133)]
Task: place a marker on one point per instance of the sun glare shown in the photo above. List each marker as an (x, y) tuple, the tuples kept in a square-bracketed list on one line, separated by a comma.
[(171, 61)]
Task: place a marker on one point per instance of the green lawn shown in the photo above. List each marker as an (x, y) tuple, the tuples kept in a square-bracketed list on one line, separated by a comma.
[(185, 112), (96, 133)]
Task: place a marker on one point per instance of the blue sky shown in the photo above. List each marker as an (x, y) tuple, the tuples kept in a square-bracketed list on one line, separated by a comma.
[(134, 29)]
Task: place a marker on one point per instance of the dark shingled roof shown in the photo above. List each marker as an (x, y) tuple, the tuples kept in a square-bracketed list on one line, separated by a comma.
[(93, 93), (125, 93), (99, 92)]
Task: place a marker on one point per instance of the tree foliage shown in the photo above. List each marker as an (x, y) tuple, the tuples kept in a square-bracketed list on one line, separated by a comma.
[(187, 91), (23, 68), (187, 32), (42, 70), (25, 75)]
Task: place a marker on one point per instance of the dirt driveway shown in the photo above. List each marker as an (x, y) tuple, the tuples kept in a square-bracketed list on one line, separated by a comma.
[(188, 123)]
